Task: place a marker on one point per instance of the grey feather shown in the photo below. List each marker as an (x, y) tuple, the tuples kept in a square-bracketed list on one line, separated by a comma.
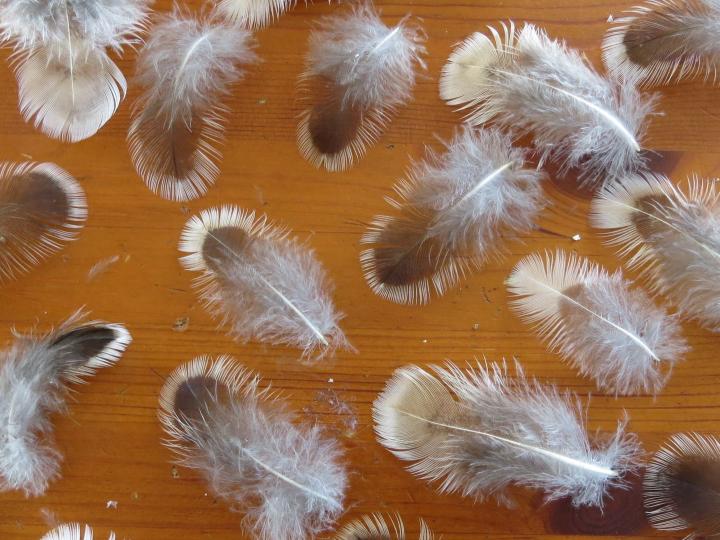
[(672, 236), (606, 330), (454, 211), (266, 285), (187, 67), (286, 477), (664, 41), (68, 85), (253, 13), (72, 531), (358, 72), (34, 374), (527, 83), (479, 431)]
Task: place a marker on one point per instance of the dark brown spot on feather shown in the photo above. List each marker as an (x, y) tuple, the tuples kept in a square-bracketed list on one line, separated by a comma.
[(31, 204), (197, 395), (79, 346), (334, 124), (647, 219), (223, 245)]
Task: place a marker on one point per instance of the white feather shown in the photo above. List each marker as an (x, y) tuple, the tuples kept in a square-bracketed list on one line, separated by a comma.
[(187, 67), (673, 237), (529, 84), (34, 374), (253, 13), (266, 285), (68, 85), (285, 476), (41, 208), (479, 431), (358, 72), (378, 527), (663, 41), (455, 209), (72, 531), (605, 329)]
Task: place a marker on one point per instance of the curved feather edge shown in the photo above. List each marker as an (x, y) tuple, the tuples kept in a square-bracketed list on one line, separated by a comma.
[(41, 208), (665, 41), (380, 527), (72, 531), (682, 486), (253, 13)]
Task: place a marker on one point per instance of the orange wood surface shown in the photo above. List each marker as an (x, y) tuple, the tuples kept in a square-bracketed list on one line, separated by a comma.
[(111, 438)]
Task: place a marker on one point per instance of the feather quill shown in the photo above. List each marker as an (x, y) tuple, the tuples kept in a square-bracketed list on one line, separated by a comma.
[(528, 83), (377, 527), (606, 330), (68, 85), (358, 72), (253, 13), (479, 431), (34, 374), (72, 531), (287, 478), (454, 210), (664, 41), (263, 283), (187, 66), (672, 236), (682, 486), (41, 208)]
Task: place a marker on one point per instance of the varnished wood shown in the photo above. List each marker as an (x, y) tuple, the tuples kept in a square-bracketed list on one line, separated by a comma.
[(111, 439)]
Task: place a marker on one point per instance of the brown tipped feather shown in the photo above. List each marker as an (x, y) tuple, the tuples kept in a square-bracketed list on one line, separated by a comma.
[(41, 208), (682, 486)]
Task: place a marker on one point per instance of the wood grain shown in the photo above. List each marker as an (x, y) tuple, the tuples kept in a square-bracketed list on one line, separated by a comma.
[(111, 439)]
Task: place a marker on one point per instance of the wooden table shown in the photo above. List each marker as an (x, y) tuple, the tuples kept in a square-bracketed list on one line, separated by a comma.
[(116, 474)]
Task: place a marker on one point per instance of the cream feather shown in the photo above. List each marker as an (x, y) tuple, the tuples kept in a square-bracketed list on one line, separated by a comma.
[(478, 431), (670, 235), (529, 84), (606, 330), (664, 41), (41, 208), (253, 13), (454, 210), (34, 374), (358, 72), (187, 67), (378, 527), (263, 283), (286, 477), (72, 531)]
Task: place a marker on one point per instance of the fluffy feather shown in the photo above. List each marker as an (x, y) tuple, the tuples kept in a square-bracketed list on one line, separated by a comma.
[(253, 13), (358, 72), (454, 211), (682, 485), (68, 85), (607, 331), (34, 374), (286, 477), (529, 84), (672, 236), (72, 531), (187, 66), (479, 431), (377, 527), (663, 41), (41, 208), (265, 284)]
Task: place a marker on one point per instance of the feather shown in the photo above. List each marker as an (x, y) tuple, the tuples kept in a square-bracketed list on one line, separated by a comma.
[(72, 531), (529, 84), (285, 476), (673, 237), (187, 66), (477, 432), (605, 329), (682, 486), (34, 374), (663, 41), (265, 284), (68, 85), (377, 527), (454, 211), (41, 208), (253, 13), (358, 72)]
